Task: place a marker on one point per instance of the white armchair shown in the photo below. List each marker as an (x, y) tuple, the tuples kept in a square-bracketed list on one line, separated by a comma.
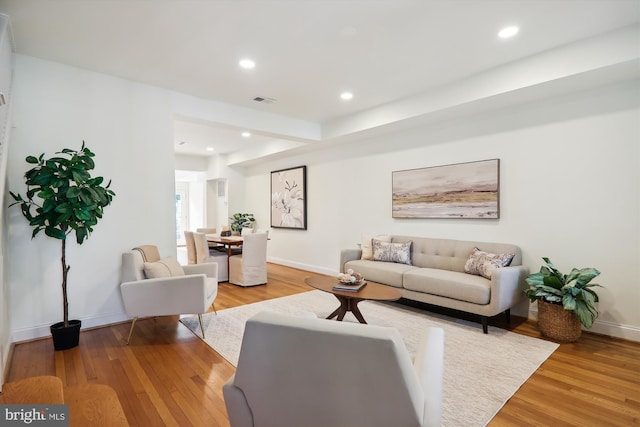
[(295, 371), (161, 287), (250, 268)]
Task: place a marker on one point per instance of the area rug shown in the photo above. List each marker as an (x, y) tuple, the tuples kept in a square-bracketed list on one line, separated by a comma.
[(481, 371)]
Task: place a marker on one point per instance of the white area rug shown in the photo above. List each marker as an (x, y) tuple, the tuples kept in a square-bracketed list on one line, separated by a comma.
[(481, 371)]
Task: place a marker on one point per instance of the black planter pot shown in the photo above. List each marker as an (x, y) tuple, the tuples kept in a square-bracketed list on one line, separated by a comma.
[(65, 338)]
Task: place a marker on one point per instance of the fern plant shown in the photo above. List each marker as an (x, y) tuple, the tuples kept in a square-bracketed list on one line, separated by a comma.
[(572, 290)]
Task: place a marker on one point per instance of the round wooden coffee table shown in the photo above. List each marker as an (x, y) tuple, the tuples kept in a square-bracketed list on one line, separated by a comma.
[(349, 300)]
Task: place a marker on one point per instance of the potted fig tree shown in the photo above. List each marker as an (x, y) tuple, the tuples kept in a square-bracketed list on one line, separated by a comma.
[(62, 199), (566, 302)]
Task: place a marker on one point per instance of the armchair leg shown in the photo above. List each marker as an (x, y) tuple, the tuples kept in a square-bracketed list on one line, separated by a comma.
[(201, 327), (133, 324), (214, 308)]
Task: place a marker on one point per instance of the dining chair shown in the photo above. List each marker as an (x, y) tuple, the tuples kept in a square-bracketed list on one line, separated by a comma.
[(205, 254), (250, 267), (191, 247)]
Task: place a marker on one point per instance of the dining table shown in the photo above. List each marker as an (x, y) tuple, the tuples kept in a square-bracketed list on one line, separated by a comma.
[(229, 242)]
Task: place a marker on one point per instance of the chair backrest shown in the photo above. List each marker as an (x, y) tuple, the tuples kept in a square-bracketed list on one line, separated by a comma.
[(246, 230), (191, 247), (149, 253), (310, 372), (202, 247), (206, 230), (254, 249)]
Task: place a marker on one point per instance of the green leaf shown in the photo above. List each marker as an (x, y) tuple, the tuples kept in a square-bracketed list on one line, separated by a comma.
[(31, 159), (82, 215), (81, 235), (64, 208), (73, 192), (55, 233)]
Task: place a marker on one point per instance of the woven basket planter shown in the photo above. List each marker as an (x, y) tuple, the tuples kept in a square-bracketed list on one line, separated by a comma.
[(557, 323)]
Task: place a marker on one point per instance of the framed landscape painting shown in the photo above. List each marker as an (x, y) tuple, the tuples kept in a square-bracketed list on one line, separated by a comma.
[(463, 190), (289, 198)]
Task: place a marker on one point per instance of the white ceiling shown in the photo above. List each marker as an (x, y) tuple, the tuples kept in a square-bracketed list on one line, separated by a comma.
[(307, 51)]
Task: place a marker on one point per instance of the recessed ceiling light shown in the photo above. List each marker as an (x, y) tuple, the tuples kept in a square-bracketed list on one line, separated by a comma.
[(346, 96), (246, 134), (507, 32), (209, 148), (247, 63)]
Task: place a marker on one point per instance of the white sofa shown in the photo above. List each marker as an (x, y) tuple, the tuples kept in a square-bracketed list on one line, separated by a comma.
[(303, 372), (437, 275)]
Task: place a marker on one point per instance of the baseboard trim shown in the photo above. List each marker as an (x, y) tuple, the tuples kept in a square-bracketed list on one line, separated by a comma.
[(42, 331), (301, 266)]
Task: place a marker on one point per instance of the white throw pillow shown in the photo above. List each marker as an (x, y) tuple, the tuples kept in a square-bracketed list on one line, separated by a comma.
[(366, 245), (167, 267)]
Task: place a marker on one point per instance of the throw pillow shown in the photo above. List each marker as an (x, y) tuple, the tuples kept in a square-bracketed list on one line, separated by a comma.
[(483, 263), (367, 249), (392, 252), (167, 267)]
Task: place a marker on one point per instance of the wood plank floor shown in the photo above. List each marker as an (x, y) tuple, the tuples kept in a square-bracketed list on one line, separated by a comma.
[(169, 377)]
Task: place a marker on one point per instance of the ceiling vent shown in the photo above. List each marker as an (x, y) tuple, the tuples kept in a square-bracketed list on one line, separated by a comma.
[(264, 100)]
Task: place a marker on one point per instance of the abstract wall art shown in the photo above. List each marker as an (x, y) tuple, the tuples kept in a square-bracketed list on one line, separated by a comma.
[(462, 190)]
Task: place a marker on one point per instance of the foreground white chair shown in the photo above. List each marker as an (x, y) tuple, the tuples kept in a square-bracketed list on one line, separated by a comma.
[(295, 371), (250, 267), (161, 287)]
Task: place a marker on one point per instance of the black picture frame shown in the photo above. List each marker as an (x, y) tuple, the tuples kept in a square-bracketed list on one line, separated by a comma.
[(289, 198)]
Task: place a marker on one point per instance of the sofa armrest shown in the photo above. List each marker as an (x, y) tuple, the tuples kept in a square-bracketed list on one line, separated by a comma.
[(210, 269), (347, 255), (237, 407), (508, 286)]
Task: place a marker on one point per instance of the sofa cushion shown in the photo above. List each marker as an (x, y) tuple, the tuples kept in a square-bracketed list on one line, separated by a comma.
[(388, 273), (483, 263), (392, 252), (449, 284), (167, 267), (367, 249)]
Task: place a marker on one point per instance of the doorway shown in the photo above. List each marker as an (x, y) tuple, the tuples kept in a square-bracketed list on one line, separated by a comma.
[(182, 211)]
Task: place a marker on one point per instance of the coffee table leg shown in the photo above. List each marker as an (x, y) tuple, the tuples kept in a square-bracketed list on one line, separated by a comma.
[(353, 307), (340, 311), (347, 304)]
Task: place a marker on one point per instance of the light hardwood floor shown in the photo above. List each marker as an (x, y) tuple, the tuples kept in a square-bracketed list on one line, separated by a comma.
[(168, 376)]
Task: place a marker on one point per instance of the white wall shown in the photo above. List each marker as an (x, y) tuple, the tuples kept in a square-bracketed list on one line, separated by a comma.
[(570, 190), (129, 127)]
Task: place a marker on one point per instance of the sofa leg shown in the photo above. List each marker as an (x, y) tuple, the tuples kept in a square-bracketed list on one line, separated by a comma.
[(485, 328), (507, 314)]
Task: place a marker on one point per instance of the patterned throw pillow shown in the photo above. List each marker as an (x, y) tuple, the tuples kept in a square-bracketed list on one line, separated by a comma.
[(483, 263), (366, 245), (392, 252)]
